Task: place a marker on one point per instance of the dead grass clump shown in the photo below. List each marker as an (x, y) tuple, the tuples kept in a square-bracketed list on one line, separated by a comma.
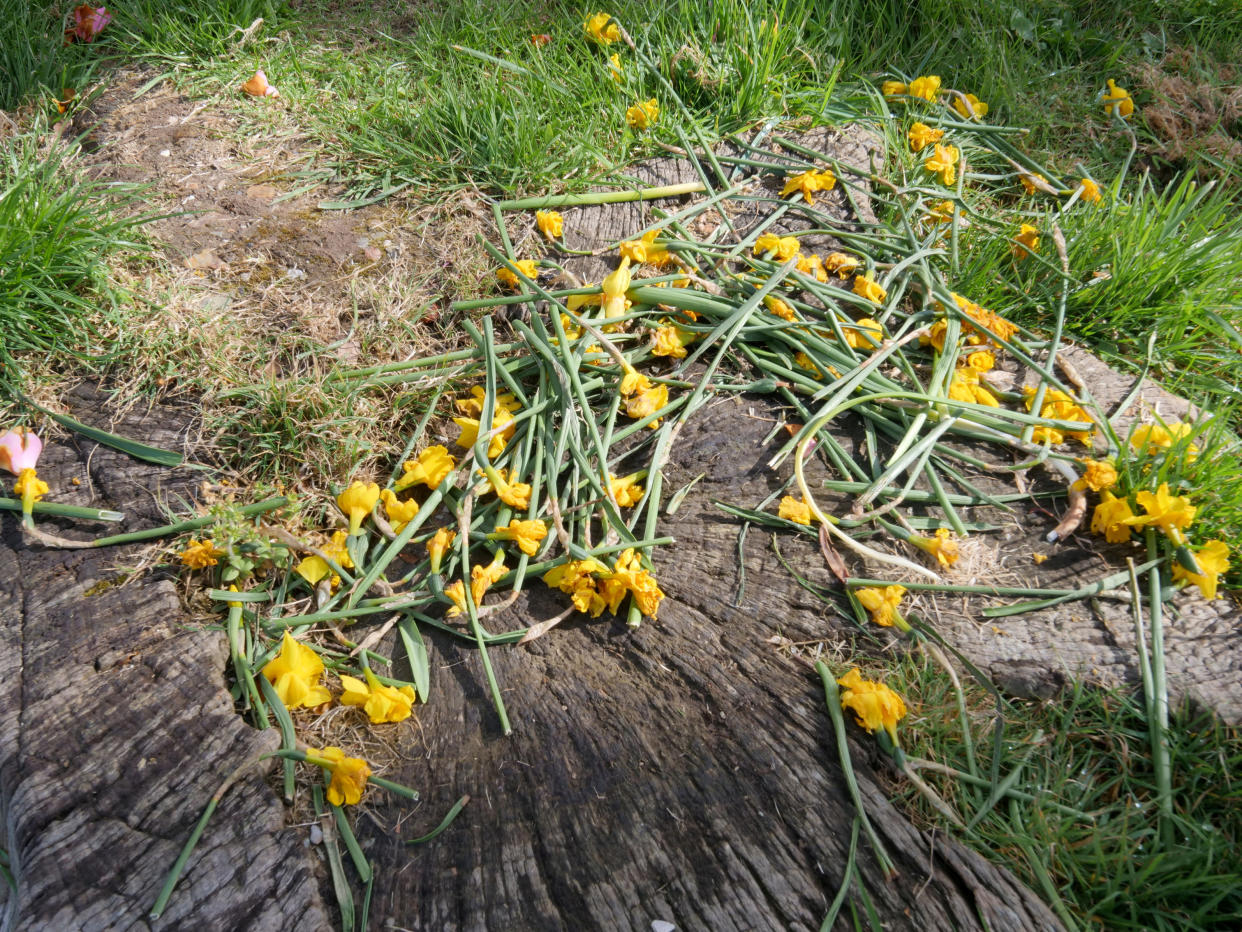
[(1196, 113)]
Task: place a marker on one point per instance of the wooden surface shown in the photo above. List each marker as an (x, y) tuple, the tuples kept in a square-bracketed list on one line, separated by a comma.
[(116, 727)]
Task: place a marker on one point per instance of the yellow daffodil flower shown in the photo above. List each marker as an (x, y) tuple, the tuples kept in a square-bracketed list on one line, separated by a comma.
[(502, 423), (920, 136), (943, 162), (925, 87), (1027, 241), (349, 774), (935, 336), (513, 493), (875, 705), (315, 568), (972, 108), (812, 265), (1153, 439), (456, 594), (550, 223), (294, 674), (439, 545), (614, 67), (626, 491), (1089, 191), (642, 399), (1111, 518), (432, 465), (864, 334), (808, 182), (985, 320), (795, 510), (882, 604), (1031, 182), (615, 286), (1099, 476), (780, 308), (526, 534), (1213, 559), (358, 501), (381, 703), (526, 266), (804, 361), (628, 572), (602, 29), (893, 88), (645, 251), (841, 265), (866, 286), (967, 387), (981, 361), (399, 513), (198, 555), (1117, 100), (784, 247), (643, 114), (1059, 406), (942, 546), (473, 406), (667, 341), (1171, 513), (483, 577), (337, 550)]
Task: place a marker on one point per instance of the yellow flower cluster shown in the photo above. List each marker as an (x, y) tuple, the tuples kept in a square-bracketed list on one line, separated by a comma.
[(642, 398), (875, 705), (593, 587), (198, 555), (1059, 406), (925, 87), (643, 114), (527, 267)]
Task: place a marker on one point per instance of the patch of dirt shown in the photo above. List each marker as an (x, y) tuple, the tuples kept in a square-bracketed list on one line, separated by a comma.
[(242, 240), (1197, 111)]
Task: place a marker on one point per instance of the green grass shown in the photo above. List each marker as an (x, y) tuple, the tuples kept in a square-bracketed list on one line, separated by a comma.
[(1088, 750), (58, 230)]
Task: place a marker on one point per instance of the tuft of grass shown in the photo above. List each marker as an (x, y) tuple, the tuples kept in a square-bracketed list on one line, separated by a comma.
[(1088, 750), (33, 56), (58, 230)]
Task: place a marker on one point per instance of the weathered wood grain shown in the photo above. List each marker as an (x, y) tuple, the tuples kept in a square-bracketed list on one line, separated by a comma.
[(116, 727)]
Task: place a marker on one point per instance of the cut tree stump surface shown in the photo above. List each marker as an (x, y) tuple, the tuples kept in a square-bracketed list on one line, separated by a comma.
[(116, 726)]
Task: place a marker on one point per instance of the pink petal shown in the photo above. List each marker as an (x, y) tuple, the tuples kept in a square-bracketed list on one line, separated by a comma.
[(19, 451)]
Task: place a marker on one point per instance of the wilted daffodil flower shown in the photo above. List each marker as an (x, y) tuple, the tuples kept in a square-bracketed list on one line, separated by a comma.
[(432, 465), (669, 341), (1031, 182), (863, 334), (970, 108), (1153, 439), (926, 87), (294, 674), (813, 266), (783, 247), (381, 703), (1171, 513), (551, 224), (513, 493), (358, 501), (602, 29), (643, 114), (349, 774), (614, 286), (1059, 406), (314, 567), (841, 265), (875, 705), (200, 554), (614, 67), (645, 251), (1089, 191), (893, 88), (942, 546), (1213, 559), (502, 424), (866, 286), (1098, 476), (920, 136), (943, 162), (1112, 518), (808, 182), (526, 266), (483, 577), (629, 576), (883, 605), (399, 513), (795, 510), (439, 545), (967, 386), (526, 534), (780, 308), (642, 399), (1117, 100), (19, 452), (626, 491), (1026, 242), (577, 579)]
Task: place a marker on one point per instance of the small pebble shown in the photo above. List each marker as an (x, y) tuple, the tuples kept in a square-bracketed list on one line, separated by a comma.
[(316, 835), (165, 153)]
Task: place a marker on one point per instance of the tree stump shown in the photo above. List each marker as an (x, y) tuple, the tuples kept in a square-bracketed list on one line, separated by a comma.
[(116, 725)]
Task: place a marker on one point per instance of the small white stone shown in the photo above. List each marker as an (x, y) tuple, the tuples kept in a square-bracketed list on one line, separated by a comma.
[(165, 153), (316, 834)]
